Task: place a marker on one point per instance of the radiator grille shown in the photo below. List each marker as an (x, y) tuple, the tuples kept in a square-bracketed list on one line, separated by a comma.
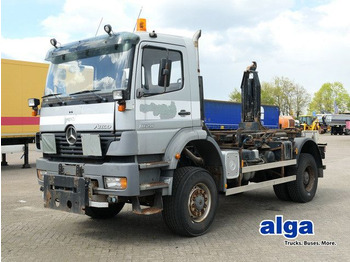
[(66, 150)]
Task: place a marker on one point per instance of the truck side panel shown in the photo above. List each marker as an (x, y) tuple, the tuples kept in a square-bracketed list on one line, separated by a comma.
[(227, 115), (271, 116), (20, 81), (222, 115)]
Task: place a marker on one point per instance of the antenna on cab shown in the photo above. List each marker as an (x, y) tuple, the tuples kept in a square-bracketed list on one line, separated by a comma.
[(138, 19), (98, 28)]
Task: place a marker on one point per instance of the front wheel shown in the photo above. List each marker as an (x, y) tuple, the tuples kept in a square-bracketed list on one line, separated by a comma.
[(303, 189), (191, 208)]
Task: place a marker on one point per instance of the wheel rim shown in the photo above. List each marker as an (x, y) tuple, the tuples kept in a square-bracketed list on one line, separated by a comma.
[(199, 202), (309, 178)]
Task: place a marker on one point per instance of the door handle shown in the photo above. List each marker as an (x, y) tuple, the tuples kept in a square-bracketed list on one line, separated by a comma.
[(184, 113)]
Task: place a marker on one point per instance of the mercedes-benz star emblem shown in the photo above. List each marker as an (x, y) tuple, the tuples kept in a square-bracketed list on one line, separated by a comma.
[(71, 135)]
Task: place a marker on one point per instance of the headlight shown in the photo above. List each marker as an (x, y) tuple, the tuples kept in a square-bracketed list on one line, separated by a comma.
[(40, 174), (119, 183)]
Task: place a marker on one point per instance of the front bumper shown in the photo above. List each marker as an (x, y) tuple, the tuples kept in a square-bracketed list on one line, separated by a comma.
[(71, 186)]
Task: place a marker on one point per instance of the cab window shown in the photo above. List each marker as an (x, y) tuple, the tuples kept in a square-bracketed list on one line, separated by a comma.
[(162, 71)]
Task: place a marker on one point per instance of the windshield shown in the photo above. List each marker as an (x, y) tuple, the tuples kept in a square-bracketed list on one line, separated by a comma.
[(306, 120), (100, 73)]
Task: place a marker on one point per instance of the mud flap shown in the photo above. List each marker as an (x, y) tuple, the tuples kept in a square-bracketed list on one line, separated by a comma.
[(66, 193)]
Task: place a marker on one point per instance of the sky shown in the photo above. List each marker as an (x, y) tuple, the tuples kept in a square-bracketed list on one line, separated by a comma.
[(307, 41)]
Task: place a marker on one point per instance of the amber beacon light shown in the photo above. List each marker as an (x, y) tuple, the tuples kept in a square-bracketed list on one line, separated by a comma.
[(141, 24)]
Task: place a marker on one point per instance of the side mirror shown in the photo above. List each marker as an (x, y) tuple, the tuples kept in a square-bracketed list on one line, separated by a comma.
[(118, 95), (164, 72), (34, 103)]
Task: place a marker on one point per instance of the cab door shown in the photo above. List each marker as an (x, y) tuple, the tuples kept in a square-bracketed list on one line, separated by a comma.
[(163, 98)]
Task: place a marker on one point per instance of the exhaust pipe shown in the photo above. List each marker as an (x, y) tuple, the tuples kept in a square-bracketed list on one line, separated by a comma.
[(195, 39)]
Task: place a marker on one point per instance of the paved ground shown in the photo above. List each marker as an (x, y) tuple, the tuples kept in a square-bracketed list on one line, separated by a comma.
[(30, 232)]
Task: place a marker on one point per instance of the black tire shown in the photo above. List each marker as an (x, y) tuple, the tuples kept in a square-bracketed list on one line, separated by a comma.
[(333, 131), (191, 208), (281, 192), (303, 189), (104, 213), (244, 183)]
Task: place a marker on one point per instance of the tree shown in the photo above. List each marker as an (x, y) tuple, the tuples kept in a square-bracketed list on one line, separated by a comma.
[(329, 97), (267, 94), (235, 96), (290, 97), (301, 99), (283, 92)]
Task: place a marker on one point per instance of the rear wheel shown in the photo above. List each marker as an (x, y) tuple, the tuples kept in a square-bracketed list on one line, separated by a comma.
[(191, 208), (281, 192), (303, 189), (104, 213)]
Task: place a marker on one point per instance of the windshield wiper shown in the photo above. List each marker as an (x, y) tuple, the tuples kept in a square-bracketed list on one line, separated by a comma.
[(90, 91), (56, 95), (53, 94), (85, 91)]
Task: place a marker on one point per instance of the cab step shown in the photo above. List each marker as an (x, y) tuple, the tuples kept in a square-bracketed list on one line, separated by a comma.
[(154, 164), (148, 211), (153, 185), (156, 208)]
